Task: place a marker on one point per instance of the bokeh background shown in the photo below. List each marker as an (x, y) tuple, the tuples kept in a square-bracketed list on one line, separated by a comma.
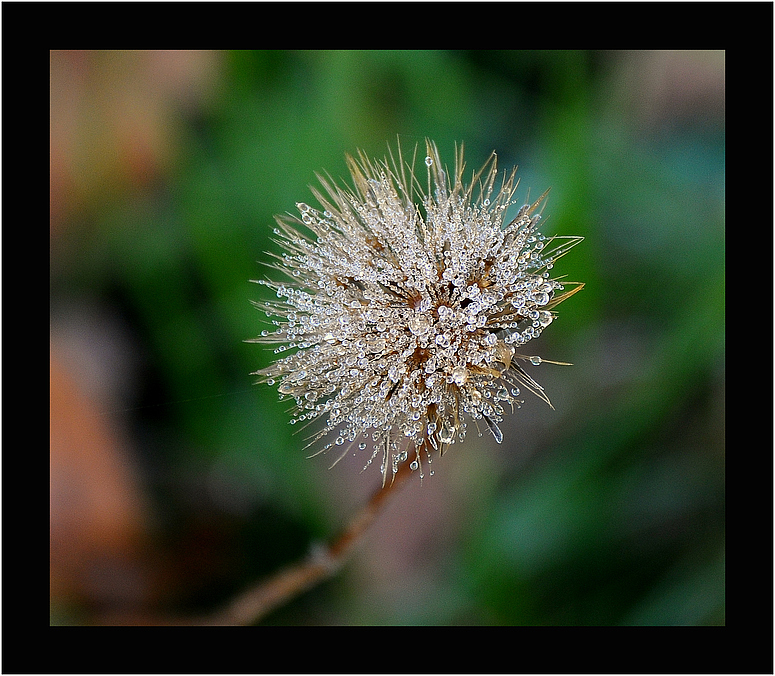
[(176, 482)]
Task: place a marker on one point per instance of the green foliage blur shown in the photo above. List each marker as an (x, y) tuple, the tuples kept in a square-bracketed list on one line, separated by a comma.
[(167, 170)]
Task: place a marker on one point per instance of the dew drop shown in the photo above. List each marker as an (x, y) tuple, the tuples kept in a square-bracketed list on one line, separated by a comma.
[(535, 361), (414, 465), (428, 161), (419, 324), (541, 298), (459, 375), (446, 433), (496, 431)]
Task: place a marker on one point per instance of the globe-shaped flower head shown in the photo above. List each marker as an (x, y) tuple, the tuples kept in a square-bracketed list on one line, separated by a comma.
[(407, 305)]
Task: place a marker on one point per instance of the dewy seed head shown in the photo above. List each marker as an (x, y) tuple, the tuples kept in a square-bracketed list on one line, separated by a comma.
[(407, 298)]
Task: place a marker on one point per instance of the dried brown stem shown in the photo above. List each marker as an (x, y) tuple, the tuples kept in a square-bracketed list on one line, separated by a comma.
[(256, 602)]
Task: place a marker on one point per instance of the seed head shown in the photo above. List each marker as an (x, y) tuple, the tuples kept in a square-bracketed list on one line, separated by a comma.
[(407, 303)]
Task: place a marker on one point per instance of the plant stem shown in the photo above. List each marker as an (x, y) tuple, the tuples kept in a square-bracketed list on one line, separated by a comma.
[(256, 602)]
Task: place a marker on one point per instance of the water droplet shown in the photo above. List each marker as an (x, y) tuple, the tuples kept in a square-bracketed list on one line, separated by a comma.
[(428, 161), (447, 432), (496, 431), (419, 324), (541, 298), (459, 375), (535, 361), (414, 465)]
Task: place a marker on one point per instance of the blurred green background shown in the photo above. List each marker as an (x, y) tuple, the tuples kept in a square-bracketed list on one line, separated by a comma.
[(175, 482)]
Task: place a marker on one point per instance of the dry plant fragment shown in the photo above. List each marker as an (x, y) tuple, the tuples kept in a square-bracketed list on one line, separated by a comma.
[(407, 303)]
